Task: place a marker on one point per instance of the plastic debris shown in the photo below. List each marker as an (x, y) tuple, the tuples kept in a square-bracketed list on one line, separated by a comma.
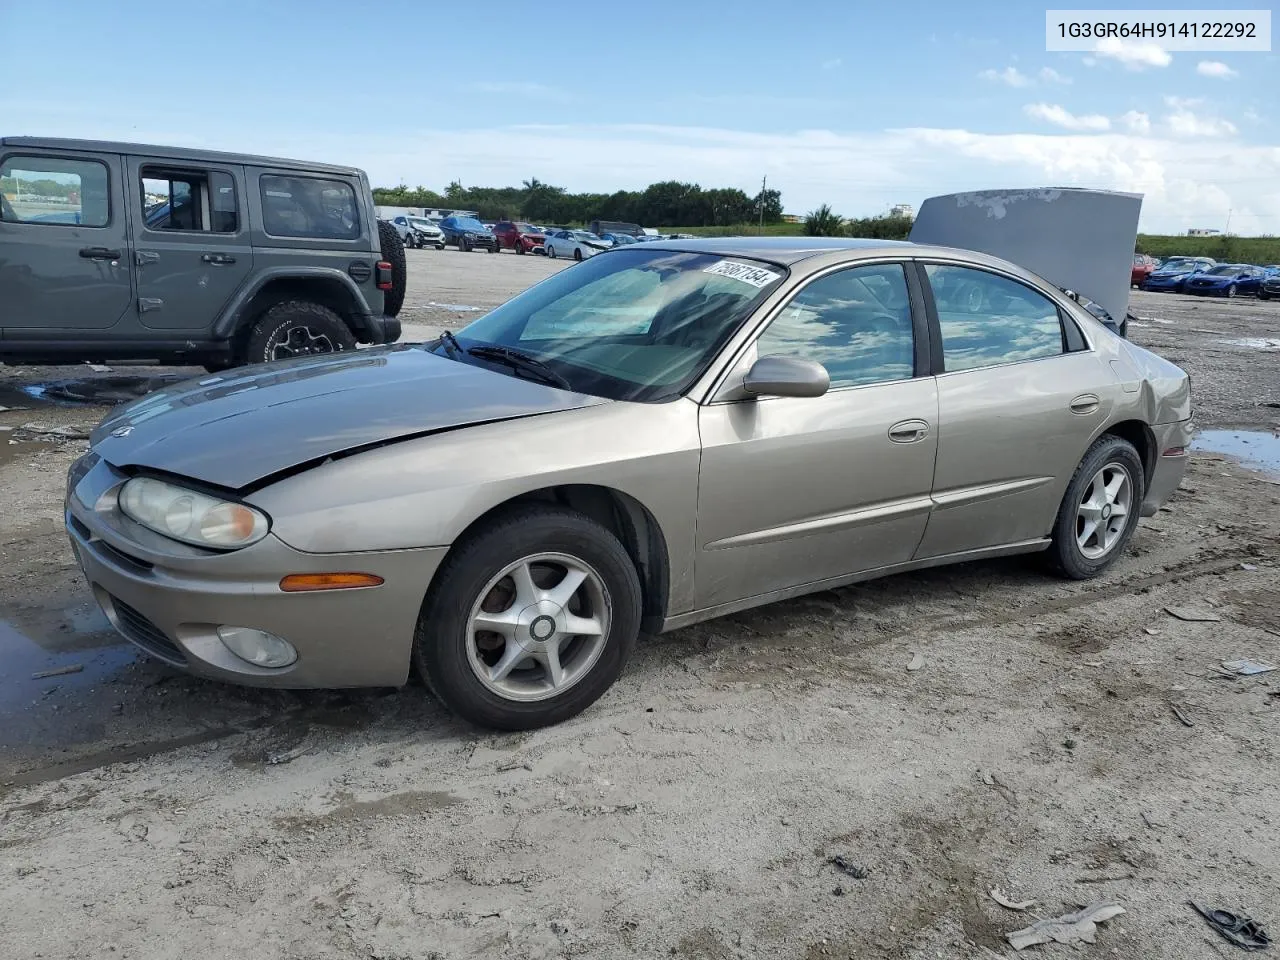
[(1247, 668), (917, 662), (1000, 897), (1244, 932), (1193, 616), (1078, 927), (58, 671), (845, 865), (287, 756)]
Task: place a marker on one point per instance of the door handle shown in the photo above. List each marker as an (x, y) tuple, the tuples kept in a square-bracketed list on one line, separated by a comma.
[(143, 257), (908, 431), (218, 258), (1084, 404), (99, 253)]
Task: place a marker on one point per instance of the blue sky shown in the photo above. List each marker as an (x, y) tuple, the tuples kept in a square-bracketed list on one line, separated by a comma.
[(856, 104)]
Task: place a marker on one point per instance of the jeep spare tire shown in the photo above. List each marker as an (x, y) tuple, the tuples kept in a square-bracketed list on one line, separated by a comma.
[(297, 328), (392, 248)]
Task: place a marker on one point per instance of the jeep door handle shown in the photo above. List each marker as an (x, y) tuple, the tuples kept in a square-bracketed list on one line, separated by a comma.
[(99, 253), (908, 431), (218, 258), (1084, 404)]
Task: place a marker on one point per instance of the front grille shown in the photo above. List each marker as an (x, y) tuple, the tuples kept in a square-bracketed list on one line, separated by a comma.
[(146, 634)]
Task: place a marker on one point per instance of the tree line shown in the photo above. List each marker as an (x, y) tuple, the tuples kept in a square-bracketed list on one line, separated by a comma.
[(824, 222), (670, 203)]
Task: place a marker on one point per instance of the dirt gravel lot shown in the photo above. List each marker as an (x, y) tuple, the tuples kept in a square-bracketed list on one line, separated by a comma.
[(693, 812)]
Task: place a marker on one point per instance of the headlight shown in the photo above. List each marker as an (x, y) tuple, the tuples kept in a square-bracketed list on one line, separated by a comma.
[(191, 517)]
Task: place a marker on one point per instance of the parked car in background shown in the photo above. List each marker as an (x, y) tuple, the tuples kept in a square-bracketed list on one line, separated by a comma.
[(1270, 284), (601, 227), (1225, 280), (189, 256), (1173, 272), (578, 244), (468, 233), (1143, 267), (419, 232), (518, 236), (619, 239)]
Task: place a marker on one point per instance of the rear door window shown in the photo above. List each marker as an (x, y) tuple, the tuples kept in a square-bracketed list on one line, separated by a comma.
[(309, 207), (54, 191), (201, 201)]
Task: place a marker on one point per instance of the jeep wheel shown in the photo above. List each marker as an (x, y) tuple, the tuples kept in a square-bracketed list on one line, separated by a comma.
[(392, 248), (297, 328)]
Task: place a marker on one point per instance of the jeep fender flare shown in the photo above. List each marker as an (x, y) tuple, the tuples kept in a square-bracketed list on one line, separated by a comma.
[(233, 315)]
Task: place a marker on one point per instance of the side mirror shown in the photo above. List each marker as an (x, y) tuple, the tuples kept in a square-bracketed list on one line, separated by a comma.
[(786, 377)]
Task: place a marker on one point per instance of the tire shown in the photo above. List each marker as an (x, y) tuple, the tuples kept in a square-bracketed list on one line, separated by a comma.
[(520, 248), (1108, 456), (392, 248), (440, 245), (1263, 295), (273, 336), (1231, 290), (577, 254), (493, 246), (449, 658), (464, 245), (551, 251)]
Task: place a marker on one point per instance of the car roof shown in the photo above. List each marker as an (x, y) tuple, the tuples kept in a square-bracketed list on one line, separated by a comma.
[(780, 250), (172, 153)]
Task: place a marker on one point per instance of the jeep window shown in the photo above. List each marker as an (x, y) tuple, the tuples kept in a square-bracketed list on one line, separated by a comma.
[(189, 200), (54, 191), (308, 207)]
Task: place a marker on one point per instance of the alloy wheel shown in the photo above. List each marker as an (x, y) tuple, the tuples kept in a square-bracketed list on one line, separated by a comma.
[(1104, 511), (538, 627), (299, 341)]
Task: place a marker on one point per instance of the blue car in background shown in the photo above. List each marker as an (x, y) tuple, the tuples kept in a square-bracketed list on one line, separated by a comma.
[(1225, 280), (1173, 273), (467, 233)]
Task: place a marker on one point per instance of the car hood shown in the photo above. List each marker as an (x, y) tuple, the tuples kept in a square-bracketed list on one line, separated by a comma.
[(235, 429), (1079, 240), (424, 228)]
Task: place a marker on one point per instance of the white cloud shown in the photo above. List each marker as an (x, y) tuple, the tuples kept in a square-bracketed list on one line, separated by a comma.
[(1136, 122), (1050, 75), (1134, 55), (1052, 113), (1216, 69), (1184, 121), (832, 64), (1252, 115), (1009, 76)]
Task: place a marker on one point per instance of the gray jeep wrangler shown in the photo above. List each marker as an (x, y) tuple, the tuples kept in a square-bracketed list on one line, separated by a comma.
[(117, 251)]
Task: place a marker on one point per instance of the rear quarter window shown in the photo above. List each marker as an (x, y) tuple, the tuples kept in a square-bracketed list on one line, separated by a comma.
[(309, 207)]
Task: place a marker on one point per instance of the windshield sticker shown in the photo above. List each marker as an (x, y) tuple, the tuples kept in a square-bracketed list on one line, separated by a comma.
[(756, 276)]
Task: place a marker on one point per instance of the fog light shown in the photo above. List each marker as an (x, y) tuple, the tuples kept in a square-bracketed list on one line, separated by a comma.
[(258, 647)]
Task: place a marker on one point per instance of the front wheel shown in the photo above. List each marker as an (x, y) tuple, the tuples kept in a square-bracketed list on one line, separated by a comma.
[(530, 620), (551, 251), (577, 253), (1099, 511), (297, 328), (1231, 290)]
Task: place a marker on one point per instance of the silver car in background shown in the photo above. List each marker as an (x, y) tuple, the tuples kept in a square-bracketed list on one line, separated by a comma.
[(666, 433)]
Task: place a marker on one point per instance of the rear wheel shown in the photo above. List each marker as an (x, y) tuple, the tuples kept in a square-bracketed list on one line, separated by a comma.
[(551, 251), (1231, 290), (577, 253), (297, 328), (1099, 511), (392, 248), (530, 619)]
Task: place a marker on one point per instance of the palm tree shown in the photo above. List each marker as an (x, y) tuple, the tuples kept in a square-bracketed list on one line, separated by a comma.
[(822, 222)]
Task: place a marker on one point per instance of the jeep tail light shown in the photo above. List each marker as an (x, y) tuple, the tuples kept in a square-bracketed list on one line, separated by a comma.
[(384, 275)]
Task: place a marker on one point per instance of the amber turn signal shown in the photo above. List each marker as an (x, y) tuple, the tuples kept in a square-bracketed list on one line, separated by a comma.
[(302, 582)]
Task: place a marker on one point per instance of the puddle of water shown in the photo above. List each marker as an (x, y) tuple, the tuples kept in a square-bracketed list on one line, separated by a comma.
[(455, 307), (1254, 343), (1254, 448), (85, 640)]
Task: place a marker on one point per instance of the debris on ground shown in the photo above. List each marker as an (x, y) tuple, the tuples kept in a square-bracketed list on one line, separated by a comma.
[(1243, 931), (1182, 717), (1251, 567), (916, 663), (287, 756), (845, 865), (1000, 897), (1078, 927), (58, 671), (1192, 615), (1247, 668), (41, 431)]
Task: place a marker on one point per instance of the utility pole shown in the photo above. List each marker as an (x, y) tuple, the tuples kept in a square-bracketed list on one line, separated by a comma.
[(1227, 232), (763, 180)]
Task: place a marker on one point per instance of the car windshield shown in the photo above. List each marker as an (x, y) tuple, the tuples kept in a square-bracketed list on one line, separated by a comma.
[(527, 228), (637, 325), (466, 223), (1227, 270), (583, 235)]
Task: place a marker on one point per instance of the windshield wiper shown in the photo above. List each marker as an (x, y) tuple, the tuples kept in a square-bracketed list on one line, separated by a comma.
[(450, 342), (517, 360)]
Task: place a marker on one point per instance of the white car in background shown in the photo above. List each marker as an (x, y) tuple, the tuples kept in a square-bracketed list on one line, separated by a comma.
[(578, 244), (419, 232)]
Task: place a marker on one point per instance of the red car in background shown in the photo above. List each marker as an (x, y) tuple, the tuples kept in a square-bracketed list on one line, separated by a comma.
[(517, 236), (1143, 266)]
